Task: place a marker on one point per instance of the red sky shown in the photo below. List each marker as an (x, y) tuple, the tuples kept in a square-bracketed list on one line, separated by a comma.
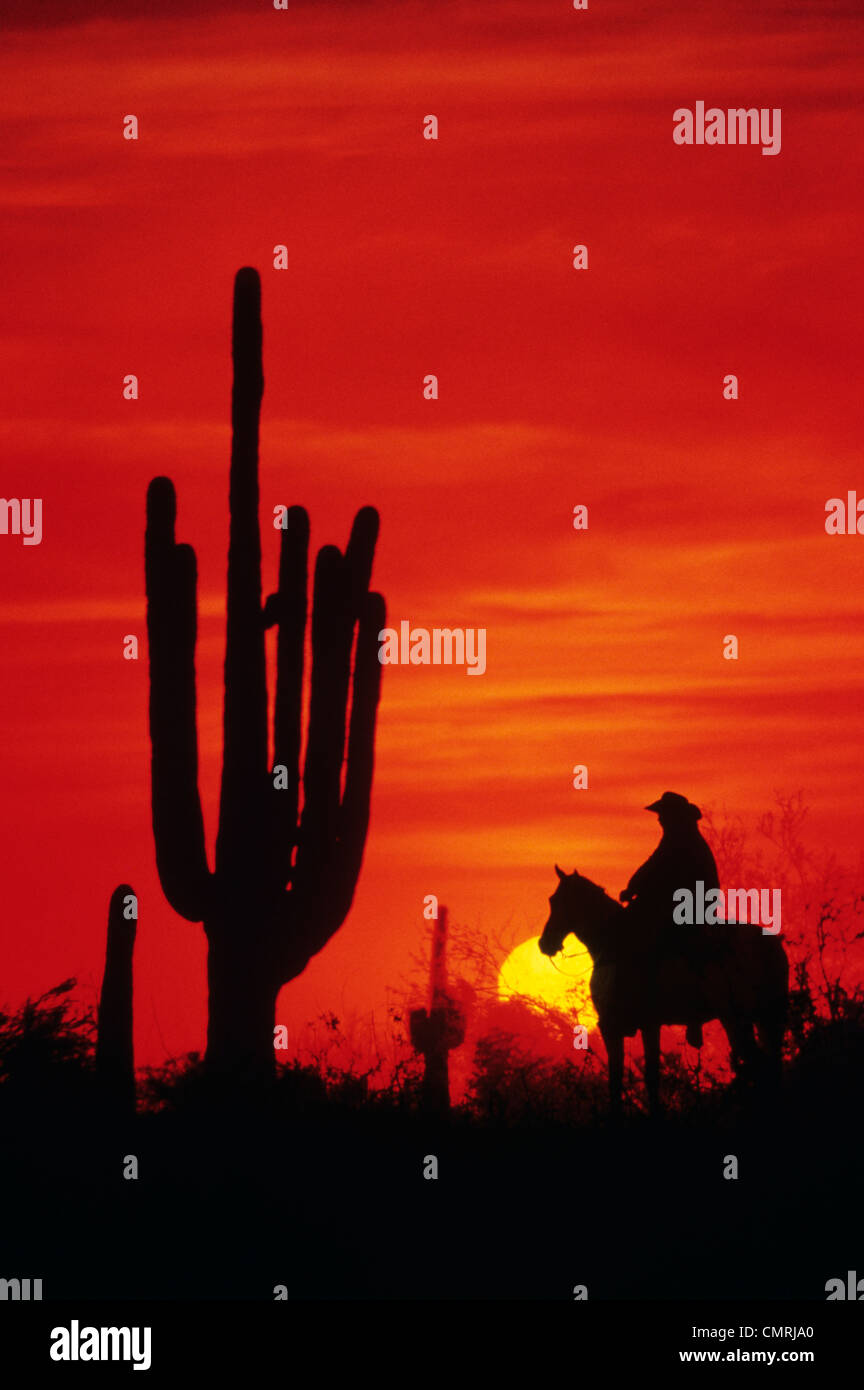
[(603, 387)]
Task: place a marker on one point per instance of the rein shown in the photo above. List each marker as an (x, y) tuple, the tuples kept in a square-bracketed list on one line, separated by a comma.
[(572, 956), (602, 957)]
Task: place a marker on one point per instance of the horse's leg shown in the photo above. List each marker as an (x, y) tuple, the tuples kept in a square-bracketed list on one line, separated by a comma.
[(651, 1046), (742, 1042), (614, 1043), (771, 1030)]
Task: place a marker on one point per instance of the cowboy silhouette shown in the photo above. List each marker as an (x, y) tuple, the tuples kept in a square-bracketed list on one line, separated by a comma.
[(681, 859)]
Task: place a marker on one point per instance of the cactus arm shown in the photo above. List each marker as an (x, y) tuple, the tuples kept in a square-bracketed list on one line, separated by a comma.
[(340, 596), (178, 825), (369, 613), (356, 800), (325, 902), (331, 669), (359, 554), (239, 842), (290, 611)]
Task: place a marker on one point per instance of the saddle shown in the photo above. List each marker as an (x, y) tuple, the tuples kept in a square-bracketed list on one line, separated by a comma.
[(672, 986)]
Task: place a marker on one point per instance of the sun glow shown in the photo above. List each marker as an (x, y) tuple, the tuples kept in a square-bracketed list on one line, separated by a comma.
[(563, 985)]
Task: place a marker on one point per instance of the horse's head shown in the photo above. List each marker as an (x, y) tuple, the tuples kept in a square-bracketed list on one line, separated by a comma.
[(576, 905)]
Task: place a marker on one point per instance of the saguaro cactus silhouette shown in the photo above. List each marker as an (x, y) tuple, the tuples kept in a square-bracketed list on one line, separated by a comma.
[(279, 888), (434, 1032), (115, 1058)]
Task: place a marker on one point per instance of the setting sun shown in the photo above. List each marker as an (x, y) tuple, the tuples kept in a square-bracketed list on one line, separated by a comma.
[(563, 985)]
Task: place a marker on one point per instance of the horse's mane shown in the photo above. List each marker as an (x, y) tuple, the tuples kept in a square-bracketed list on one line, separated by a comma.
[(618, 936)]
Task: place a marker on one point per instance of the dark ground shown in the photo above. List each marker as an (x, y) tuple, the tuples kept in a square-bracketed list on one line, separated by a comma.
[(332, 1202)]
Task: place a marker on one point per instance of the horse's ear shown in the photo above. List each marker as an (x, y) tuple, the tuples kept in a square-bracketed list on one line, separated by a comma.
[(560, 872)]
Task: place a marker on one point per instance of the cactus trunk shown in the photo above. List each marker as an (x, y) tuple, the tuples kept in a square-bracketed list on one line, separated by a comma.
[(435, 1093), (282, 884), (438, 1029), (241, 1013), (115, 1057)]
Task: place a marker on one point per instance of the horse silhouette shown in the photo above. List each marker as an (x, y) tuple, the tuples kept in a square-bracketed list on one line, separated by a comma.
[(744, 983)]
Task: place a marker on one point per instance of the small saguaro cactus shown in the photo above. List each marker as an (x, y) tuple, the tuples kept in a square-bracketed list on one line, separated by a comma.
[(438, 1029), (281, 885), (115, 1056)]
